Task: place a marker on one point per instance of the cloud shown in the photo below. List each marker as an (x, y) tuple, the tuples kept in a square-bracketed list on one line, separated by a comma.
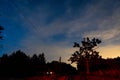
[(94, 20), (105, 22), (52, 51), (35, 23), (104, 34)]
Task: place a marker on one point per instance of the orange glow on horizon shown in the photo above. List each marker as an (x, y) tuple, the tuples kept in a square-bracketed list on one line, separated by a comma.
[(110, 51)]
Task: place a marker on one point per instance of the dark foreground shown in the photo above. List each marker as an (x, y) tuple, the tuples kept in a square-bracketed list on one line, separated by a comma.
[(75, 77)]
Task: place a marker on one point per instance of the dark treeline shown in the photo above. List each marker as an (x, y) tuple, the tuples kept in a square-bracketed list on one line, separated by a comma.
[(18, 64), (97, 64), (89, 61)]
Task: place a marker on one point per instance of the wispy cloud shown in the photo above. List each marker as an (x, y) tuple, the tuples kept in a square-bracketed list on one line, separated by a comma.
[(93, 21), (52, 51), (107, 28), (71, 18), (105, 35)]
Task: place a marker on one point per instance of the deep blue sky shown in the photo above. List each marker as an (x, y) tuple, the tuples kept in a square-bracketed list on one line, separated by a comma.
[(51, 26)]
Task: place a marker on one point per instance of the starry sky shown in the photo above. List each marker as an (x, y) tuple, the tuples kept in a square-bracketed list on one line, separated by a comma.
[(52, 26)]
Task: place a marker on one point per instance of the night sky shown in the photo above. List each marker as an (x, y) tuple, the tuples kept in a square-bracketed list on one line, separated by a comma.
[(52, 26)]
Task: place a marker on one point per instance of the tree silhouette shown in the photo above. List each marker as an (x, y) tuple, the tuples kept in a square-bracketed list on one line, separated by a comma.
[(38, 64), (86, 52), (18, 64)]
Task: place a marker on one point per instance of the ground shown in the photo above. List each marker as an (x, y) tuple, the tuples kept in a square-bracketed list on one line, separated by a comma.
[(75, 77)]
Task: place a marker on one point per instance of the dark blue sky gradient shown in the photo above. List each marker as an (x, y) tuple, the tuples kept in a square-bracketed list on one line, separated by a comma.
[(51, 26)]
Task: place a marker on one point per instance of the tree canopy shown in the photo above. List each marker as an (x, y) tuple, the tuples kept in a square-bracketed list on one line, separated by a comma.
[(86, 52)]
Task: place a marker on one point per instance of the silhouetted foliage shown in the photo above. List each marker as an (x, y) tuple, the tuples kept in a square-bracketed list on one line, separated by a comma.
[(38, 64), (19, 64), (86, 54)]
